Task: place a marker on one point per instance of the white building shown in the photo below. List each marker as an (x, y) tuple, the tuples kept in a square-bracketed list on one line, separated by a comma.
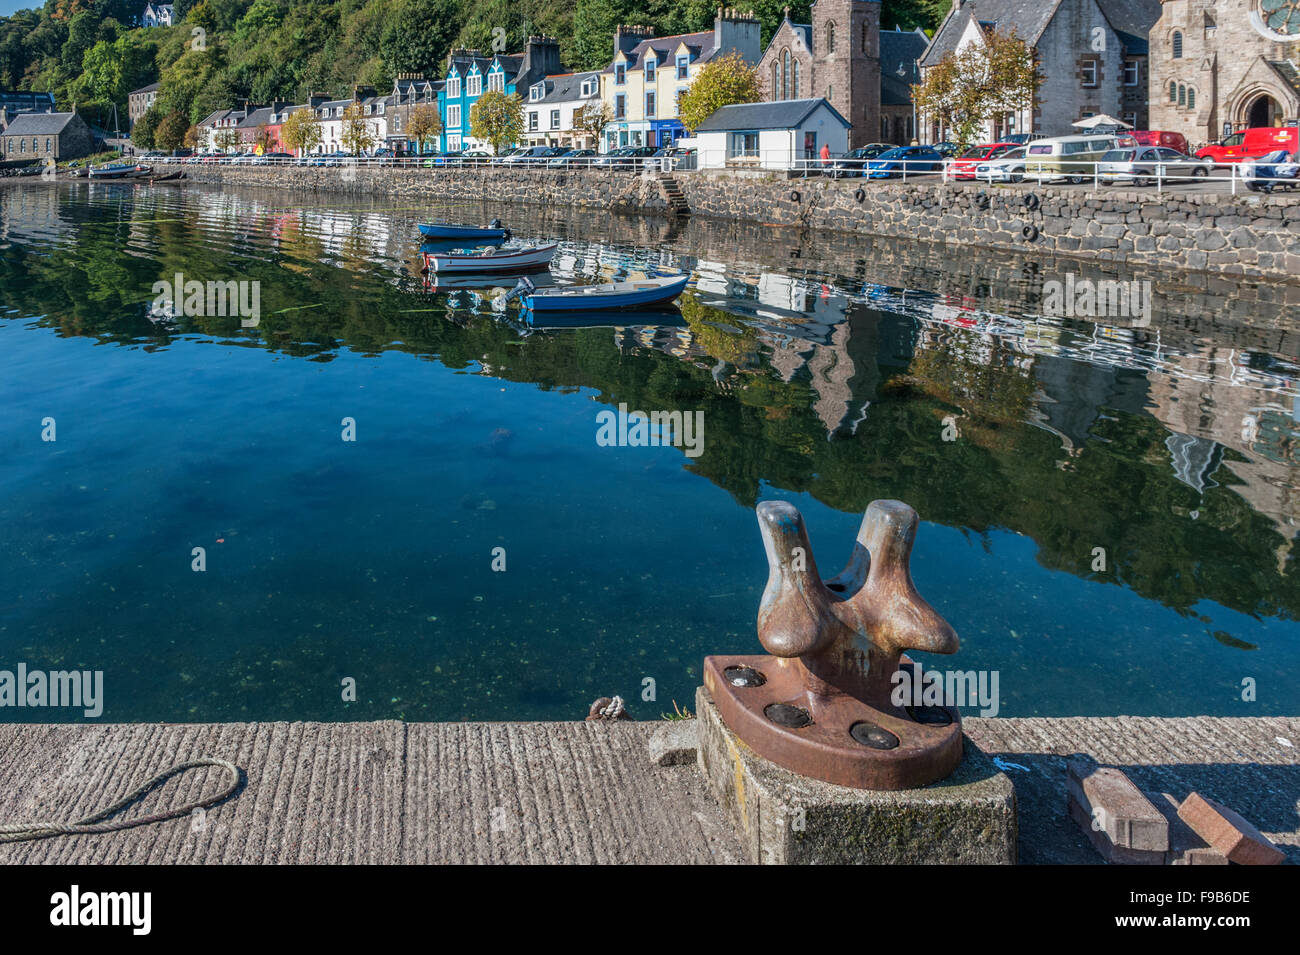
[(778, 135), (156, 15), (552, 106)]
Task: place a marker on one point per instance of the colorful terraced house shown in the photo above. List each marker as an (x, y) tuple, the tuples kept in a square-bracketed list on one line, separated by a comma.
[(469, 75)]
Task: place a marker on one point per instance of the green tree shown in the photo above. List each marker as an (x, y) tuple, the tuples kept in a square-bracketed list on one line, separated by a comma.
[(720, 82), (593, 118), (594, 22), (497, 118), (142, 133), (419, 35)]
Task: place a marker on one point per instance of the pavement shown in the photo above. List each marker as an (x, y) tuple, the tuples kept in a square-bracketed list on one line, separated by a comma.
[(392, 792)]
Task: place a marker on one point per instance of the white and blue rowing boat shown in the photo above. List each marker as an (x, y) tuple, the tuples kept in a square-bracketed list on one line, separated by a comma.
[(492, 260)]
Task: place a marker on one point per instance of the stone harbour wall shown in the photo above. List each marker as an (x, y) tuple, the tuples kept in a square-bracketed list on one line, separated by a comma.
[(1247, 236)]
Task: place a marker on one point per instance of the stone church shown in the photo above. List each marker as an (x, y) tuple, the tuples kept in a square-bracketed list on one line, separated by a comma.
[(843, 57), (1218, 66)]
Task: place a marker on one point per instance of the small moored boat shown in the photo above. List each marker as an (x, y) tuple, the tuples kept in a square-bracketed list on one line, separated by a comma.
[(642, 318), (113, 171), (492, 260), (444, 230), (642, 293)]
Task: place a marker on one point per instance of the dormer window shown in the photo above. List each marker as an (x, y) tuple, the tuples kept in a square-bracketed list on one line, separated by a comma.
[(537, 92), (620, 74), (650, 66), (497, 82), (453, 87), (683, 66), (474, 85), (588, 88)]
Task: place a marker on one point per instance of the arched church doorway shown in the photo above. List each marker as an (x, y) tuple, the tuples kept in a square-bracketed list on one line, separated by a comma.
[(1263, 110)]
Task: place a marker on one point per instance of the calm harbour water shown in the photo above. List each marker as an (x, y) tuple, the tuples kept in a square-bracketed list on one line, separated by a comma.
[(824, 367)]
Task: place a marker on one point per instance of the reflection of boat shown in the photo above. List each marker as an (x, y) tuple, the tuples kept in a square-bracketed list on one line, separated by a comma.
[(176, 176), (602, 298), (440, 282), (493, 260), (647, 318), (444, 230)]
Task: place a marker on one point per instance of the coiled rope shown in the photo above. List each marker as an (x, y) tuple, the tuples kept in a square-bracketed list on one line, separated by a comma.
[(22, 831)]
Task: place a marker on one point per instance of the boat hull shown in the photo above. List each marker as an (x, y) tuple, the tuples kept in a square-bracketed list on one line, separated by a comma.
[(524, 260), (439, 231), (604, 298)]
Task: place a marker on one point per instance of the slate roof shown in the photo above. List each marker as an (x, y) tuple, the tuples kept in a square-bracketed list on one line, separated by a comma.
[(781, 114), (564, 87), (144, 89), (700, 45), (899, 51), (38, 124), (255, 118), (1029, 18), (1289, 72)]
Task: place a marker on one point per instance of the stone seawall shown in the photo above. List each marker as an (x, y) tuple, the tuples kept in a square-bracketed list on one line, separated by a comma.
[(1247, 235)]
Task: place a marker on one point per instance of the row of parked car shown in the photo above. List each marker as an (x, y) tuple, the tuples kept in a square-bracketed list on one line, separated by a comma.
[(549, 156), (1140, 157)]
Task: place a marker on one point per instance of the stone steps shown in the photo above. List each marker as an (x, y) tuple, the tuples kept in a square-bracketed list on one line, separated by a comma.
[(672, 192)]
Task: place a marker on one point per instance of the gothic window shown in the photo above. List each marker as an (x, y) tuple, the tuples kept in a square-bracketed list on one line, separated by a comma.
[(785, 75), (830, 37), (1182, 95), (796, 80), (776, 90), (1173, 92), (1178, 45), (1191, 97)]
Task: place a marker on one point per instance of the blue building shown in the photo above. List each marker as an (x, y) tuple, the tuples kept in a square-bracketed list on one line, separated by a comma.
[(469, 75)]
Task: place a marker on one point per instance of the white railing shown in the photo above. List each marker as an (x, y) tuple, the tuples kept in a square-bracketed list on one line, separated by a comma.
[(1161, 175)]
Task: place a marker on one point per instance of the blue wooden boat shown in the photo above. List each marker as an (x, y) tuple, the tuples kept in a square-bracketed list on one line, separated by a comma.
[(443, 230), (430, 246), (613, 296)]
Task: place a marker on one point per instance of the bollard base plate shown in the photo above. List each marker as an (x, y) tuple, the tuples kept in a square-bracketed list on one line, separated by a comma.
[(784, 818)]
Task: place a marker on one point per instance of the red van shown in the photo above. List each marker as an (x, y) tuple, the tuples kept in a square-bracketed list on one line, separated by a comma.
[(1157, 137), (1251, 144)]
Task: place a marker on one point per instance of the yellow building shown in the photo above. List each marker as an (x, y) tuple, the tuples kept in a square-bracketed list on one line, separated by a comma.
[(641, 86)]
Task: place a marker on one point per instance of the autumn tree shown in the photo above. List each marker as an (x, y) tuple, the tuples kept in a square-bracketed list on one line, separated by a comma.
[(497, 118), (226, 139), (425, 124), (356, 137), (171, 132), (301, 131), (970, 87), (264, 139), (593, 118), (722, 82)]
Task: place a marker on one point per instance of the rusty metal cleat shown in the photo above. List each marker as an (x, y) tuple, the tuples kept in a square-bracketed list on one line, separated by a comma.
[(821, 704)]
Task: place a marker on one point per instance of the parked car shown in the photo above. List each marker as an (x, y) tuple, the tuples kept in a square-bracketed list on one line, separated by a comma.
[(676, 155), (531, 155), (904, 160), (1009, 167), (1251, 144), (963, 167), (474, 157), (855, 162), (1147, 164), (625, 157), (575, 157), (1021, 139), (1277, 170), (272, 158), (947, 149), (1155, 137), (1066, 157), (447, 158), (510, 155)]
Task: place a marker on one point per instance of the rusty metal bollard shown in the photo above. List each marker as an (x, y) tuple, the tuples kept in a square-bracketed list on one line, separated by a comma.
[(820, 705)]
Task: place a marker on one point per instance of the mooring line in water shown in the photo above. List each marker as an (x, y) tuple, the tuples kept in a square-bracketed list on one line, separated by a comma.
[(294, 308), (22, 831)]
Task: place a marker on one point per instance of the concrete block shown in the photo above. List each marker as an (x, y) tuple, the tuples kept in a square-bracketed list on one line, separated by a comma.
[(783, 818), (674, 743), (1112, 802), (1101, 841), (1228, 832)]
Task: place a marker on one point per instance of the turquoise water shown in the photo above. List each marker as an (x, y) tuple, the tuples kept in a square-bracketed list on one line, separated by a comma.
[(373, 559)]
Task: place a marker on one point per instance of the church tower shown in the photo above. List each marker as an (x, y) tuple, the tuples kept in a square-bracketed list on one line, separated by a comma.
[(846, 56)]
